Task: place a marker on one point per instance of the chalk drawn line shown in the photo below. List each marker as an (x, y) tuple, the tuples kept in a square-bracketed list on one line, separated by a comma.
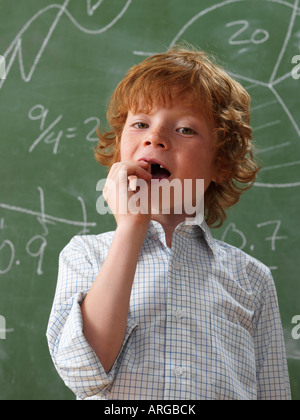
[(92, 8), (46, 217), (272, 81), (270, 85), (15, 48)]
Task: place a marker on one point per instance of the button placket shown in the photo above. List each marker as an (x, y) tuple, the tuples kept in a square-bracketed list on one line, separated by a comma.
[(178, 315), (178, 374), (178, 371), (177, 266)]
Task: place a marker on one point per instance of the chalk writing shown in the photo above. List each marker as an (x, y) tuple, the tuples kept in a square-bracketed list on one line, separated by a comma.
[(10, 246), (241, 241), (16, 50), (259, 36), (51, 134), (245, 35), (91, 8), (35, 246), (274, 237)]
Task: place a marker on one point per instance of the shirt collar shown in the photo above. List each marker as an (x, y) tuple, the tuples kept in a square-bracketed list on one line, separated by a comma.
[(189, 227)]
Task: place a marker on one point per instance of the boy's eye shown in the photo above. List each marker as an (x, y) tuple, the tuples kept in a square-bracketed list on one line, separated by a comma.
[(186, 131), (141, 125)]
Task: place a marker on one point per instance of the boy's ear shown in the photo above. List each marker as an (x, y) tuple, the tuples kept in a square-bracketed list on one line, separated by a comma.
[(221, 175), (217, 174)]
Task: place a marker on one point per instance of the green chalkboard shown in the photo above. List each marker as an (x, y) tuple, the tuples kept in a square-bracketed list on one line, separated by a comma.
[(62, 60)]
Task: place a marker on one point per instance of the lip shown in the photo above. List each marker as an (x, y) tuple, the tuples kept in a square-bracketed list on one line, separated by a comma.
[(155, 161)]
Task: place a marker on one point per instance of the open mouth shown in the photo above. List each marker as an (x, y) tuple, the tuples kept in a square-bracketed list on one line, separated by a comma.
[(159, 172)]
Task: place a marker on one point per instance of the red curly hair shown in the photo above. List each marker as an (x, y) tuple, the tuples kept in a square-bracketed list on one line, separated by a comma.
[(225, 101)]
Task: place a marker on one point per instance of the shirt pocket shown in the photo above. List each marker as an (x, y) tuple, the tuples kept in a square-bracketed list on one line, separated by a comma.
[(233, 361)]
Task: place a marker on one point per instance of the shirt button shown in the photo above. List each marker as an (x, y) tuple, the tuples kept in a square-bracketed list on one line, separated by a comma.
[(178, 314), (178, 371), (152, 230), (177, 266)]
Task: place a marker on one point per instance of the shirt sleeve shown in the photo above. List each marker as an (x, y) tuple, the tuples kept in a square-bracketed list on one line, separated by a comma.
[(272, 373), (74, 359)]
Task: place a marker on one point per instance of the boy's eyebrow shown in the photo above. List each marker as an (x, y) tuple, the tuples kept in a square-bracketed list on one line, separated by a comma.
[(199, 116)]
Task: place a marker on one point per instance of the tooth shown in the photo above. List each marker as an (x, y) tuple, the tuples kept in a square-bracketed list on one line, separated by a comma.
[(161, 166)]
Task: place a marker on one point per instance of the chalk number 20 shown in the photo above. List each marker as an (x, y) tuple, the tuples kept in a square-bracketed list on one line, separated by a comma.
[(259, 36)]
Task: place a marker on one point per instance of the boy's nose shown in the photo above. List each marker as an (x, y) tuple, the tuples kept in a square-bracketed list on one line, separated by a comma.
[(157, 138)]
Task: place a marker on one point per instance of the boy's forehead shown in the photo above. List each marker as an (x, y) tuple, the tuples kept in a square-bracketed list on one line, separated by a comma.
[(166, 94), (147, 103), (186, 104)]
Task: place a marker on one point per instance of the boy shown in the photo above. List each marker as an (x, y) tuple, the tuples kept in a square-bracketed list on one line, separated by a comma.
[(158, 309)]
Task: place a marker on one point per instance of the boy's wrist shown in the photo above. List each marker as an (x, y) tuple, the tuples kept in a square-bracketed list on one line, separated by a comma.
[(133, 227)]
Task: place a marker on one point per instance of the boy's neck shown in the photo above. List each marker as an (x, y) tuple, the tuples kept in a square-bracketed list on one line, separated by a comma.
[(169, 223)]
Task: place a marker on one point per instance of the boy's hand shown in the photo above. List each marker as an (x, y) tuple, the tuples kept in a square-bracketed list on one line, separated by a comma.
[(105, 308), (117, 191)]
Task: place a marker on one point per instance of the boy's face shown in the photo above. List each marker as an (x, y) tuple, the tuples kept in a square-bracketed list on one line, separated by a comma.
[(178, 137)]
